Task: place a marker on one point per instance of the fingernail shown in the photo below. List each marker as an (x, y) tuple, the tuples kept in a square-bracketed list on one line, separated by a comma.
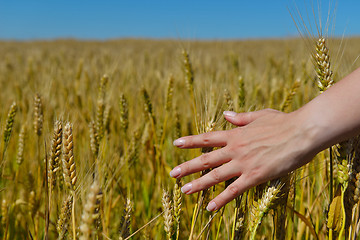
[(186, 188), (175, 172), (179, 142), (230, 113), (211, 206)]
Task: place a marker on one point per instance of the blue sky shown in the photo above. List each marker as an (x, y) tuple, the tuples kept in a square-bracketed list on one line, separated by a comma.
[(185, 19)]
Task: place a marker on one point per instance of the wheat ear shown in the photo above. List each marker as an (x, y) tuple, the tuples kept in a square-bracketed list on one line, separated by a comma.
[(241, 94), (189, 79), (38, 115), (323, 66), (94, 139), (5, 216), (64, 218), (290, 95), (124, 114), (168, 214), (7, 132), (4, 212), (10, 123), (91, 211), (21, 143), (125, 220), (55, 153), (177, 198), (101, 107), (69, 169), (189, 73), (261, 208)]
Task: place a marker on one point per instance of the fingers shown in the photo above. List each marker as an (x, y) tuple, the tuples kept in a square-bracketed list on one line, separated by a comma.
[(231, 192), (203, 162), (217, 175), (210, 139), (242, 119)]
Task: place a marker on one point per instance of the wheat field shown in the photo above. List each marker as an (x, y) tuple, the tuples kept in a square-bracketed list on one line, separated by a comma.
[(87, 130)]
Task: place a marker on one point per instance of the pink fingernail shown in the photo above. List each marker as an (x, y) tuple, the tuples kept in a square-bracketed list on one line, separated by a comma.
[(179, 142), (175, 172), (211, 206), (230, 113), (186, 188)]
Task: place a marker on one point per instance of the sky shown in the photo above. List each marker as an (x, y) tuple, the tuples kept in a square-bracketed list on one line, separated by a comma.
[(185, 19)]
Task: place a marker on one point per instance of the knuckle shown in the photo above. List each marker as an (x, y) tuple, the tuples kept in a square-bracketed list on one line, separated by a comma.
[(205, 161), (233, 190), (223, 153), (206, 138), (237, 149), (232, 148), (255, 177), (216, 175)]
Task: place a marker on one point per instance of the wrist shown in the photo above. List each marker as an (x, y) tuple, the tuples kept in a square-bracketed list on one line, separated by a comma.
[(315, 128), (307, 136)]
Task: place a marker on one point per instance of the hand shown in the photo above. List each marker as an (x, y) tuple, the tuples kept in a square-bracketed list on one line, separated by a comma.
[(267, 144)]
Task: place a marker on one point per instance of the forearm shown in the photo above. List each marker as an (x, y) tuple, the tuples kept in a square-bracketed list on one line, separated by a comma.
[(268, 144), (333, 116)]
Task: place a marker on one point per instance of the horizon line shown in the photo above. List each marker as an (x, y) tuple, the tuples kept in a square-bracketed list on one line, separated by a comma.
[(79, 39)]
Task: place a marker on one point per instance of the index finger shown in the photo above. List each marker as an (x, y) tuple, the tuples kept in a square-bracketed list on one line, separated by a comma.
[(210, 139)]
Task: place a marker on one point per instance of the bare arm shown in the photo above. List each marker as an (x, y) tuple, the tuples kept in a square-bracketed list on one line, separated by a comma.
[(268, 144)]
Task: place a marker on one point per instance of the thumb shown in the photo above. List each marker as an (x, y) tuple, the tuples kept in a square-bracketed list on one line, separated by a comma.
[(242, 119)]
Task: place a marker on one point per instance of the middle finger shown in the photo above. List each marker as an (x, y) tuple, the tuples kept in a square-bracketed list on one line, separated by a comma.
[(217, 175), (203, 162)]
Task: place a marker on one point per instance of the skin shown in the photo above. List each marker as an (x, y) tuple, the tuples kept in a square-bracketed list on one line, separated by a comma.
[(268, 144)]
